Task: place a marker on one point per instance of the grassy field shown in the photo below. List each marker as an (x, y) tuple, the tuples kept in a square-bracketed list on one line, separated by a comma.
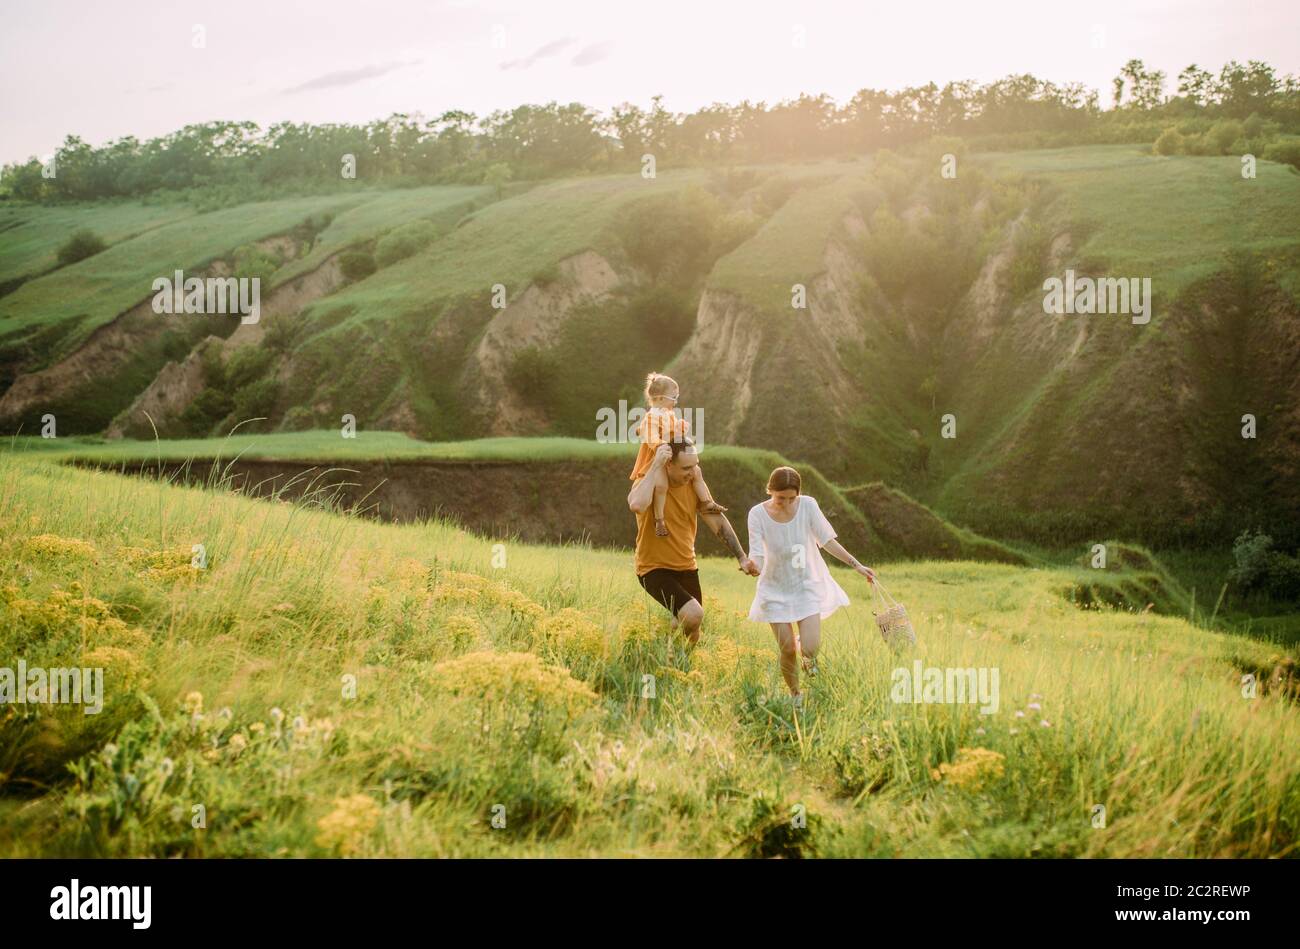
[(326, 685), (791, 246), (382, 212), (94, 291), (1171, 218), (32, 234), (509, 242)]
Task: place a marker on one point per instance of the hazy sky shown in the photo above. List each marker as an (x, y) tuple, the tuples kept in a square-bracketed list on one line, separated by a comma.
[(102, 70)]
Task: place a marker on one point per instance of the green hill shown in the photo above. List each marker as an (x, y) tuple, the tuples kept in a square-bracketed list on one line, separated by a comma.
[(834, 312), (538, 490)]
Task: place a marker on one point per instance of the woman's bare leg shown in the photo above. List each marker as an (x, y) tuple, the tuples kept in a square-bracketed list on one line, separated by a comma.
[(661, 495), (789, 655), (810, 638)]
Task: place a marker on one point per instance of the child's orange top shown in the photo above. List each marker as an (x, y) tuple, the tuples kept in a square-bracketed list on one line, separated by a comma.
[(658, 427)]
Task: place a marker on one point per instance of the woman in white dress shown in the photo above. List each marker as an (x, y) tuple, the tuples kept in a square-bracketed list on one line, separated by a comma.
[(795, 588)]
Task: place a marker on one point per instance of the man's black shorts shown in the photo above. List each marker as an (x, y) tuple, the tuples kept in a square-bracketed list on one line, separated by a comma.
[(673, 588)]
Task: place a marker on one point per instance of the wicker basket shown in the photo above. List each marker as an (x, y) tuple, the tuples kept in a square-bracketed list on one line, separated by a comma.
[(895, 628)]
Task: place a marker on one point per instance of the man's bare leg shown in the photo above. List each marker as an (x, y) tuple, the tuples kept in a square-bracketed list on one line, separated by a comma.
[(689, 618)]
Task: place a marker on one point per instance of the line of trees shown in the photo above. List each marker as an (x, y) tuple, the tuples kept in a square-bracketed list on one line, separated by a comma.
[(540, 141)]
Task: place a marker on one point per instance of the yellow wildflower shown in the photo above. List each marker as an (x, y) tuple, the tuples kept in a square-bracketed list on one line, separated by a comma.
[(347, 826), (166, 566), (973, 769), (52, 545), (518, 603), (463, 628), (574, 634), (511, 676), (637, 630)]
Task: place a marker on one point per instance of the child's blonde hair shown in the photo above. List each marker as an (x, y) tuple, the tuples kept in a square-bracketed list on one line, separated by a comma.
[(657, 384)]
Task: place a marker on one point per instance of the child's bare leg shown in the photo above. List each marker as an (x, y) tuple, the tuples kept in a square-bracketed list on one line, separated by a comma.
[(707, 504), (661, 495)]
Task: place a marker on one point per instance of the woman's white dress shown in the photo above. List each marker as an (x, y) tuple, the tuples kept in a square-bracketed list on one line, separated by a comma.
[(795, 582)]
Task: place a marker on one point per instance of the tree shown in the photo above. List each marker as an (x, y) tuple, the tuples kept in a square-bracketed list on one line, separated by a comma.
[(1197, 85), (1247, 89), (497, 176), (1145, 87)]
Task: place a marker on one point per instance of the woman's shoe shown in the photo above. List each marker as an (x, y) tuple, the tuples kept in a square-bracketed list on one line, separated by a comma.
[(796, 702), (810, 667)]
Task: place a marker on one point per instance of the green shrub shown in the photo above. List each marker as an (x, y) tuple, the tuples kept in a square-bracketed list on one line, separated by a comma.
[(282, 333), (534, 374), (256, 400), (83, 244), (670, 235), (1170, 142), (662, 319), (1287, 153), (253, 263), (1250, 553), (246, 365), (1223, 135), (497, 176), (208, 408), (1029, 259), (357, 265), (1282, 577), (1260, 569), (298, 419), (405, 241)]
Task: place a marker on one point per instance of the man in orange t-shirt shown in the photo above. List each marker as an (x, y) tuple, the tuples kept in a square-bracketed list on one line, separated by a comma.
[(665, 566)]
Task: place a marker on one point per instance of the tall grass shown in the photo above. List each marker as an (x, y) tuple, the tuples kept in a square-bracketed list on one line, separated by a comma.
[(330, 685)]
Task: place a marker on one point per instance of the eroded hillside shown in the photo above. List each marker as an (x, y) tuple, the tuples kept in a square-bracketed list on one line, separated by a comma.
[(879, 320)]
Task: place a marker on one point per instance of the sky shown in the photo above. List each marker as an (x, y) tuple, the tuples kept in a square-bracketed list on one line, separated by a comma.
[(148, 67)]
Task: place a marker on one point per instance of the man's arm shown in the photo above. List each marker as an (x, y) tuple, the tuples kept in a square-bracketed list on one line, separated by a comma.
[(721, 528), (642, 494)]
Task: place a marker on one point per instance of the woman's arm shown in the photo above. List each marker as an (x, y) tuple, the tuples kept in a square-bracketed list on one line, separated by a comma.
[(836, 550)]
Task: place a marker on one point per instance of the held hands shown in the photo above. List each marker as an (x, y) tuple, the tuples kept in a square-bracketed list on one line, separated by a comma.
[(662, 456), (748, 566)]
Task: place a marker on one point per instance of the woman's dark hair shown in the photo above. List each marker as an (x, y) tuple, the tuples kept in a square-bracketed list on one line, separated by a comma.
[(783, 479)]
